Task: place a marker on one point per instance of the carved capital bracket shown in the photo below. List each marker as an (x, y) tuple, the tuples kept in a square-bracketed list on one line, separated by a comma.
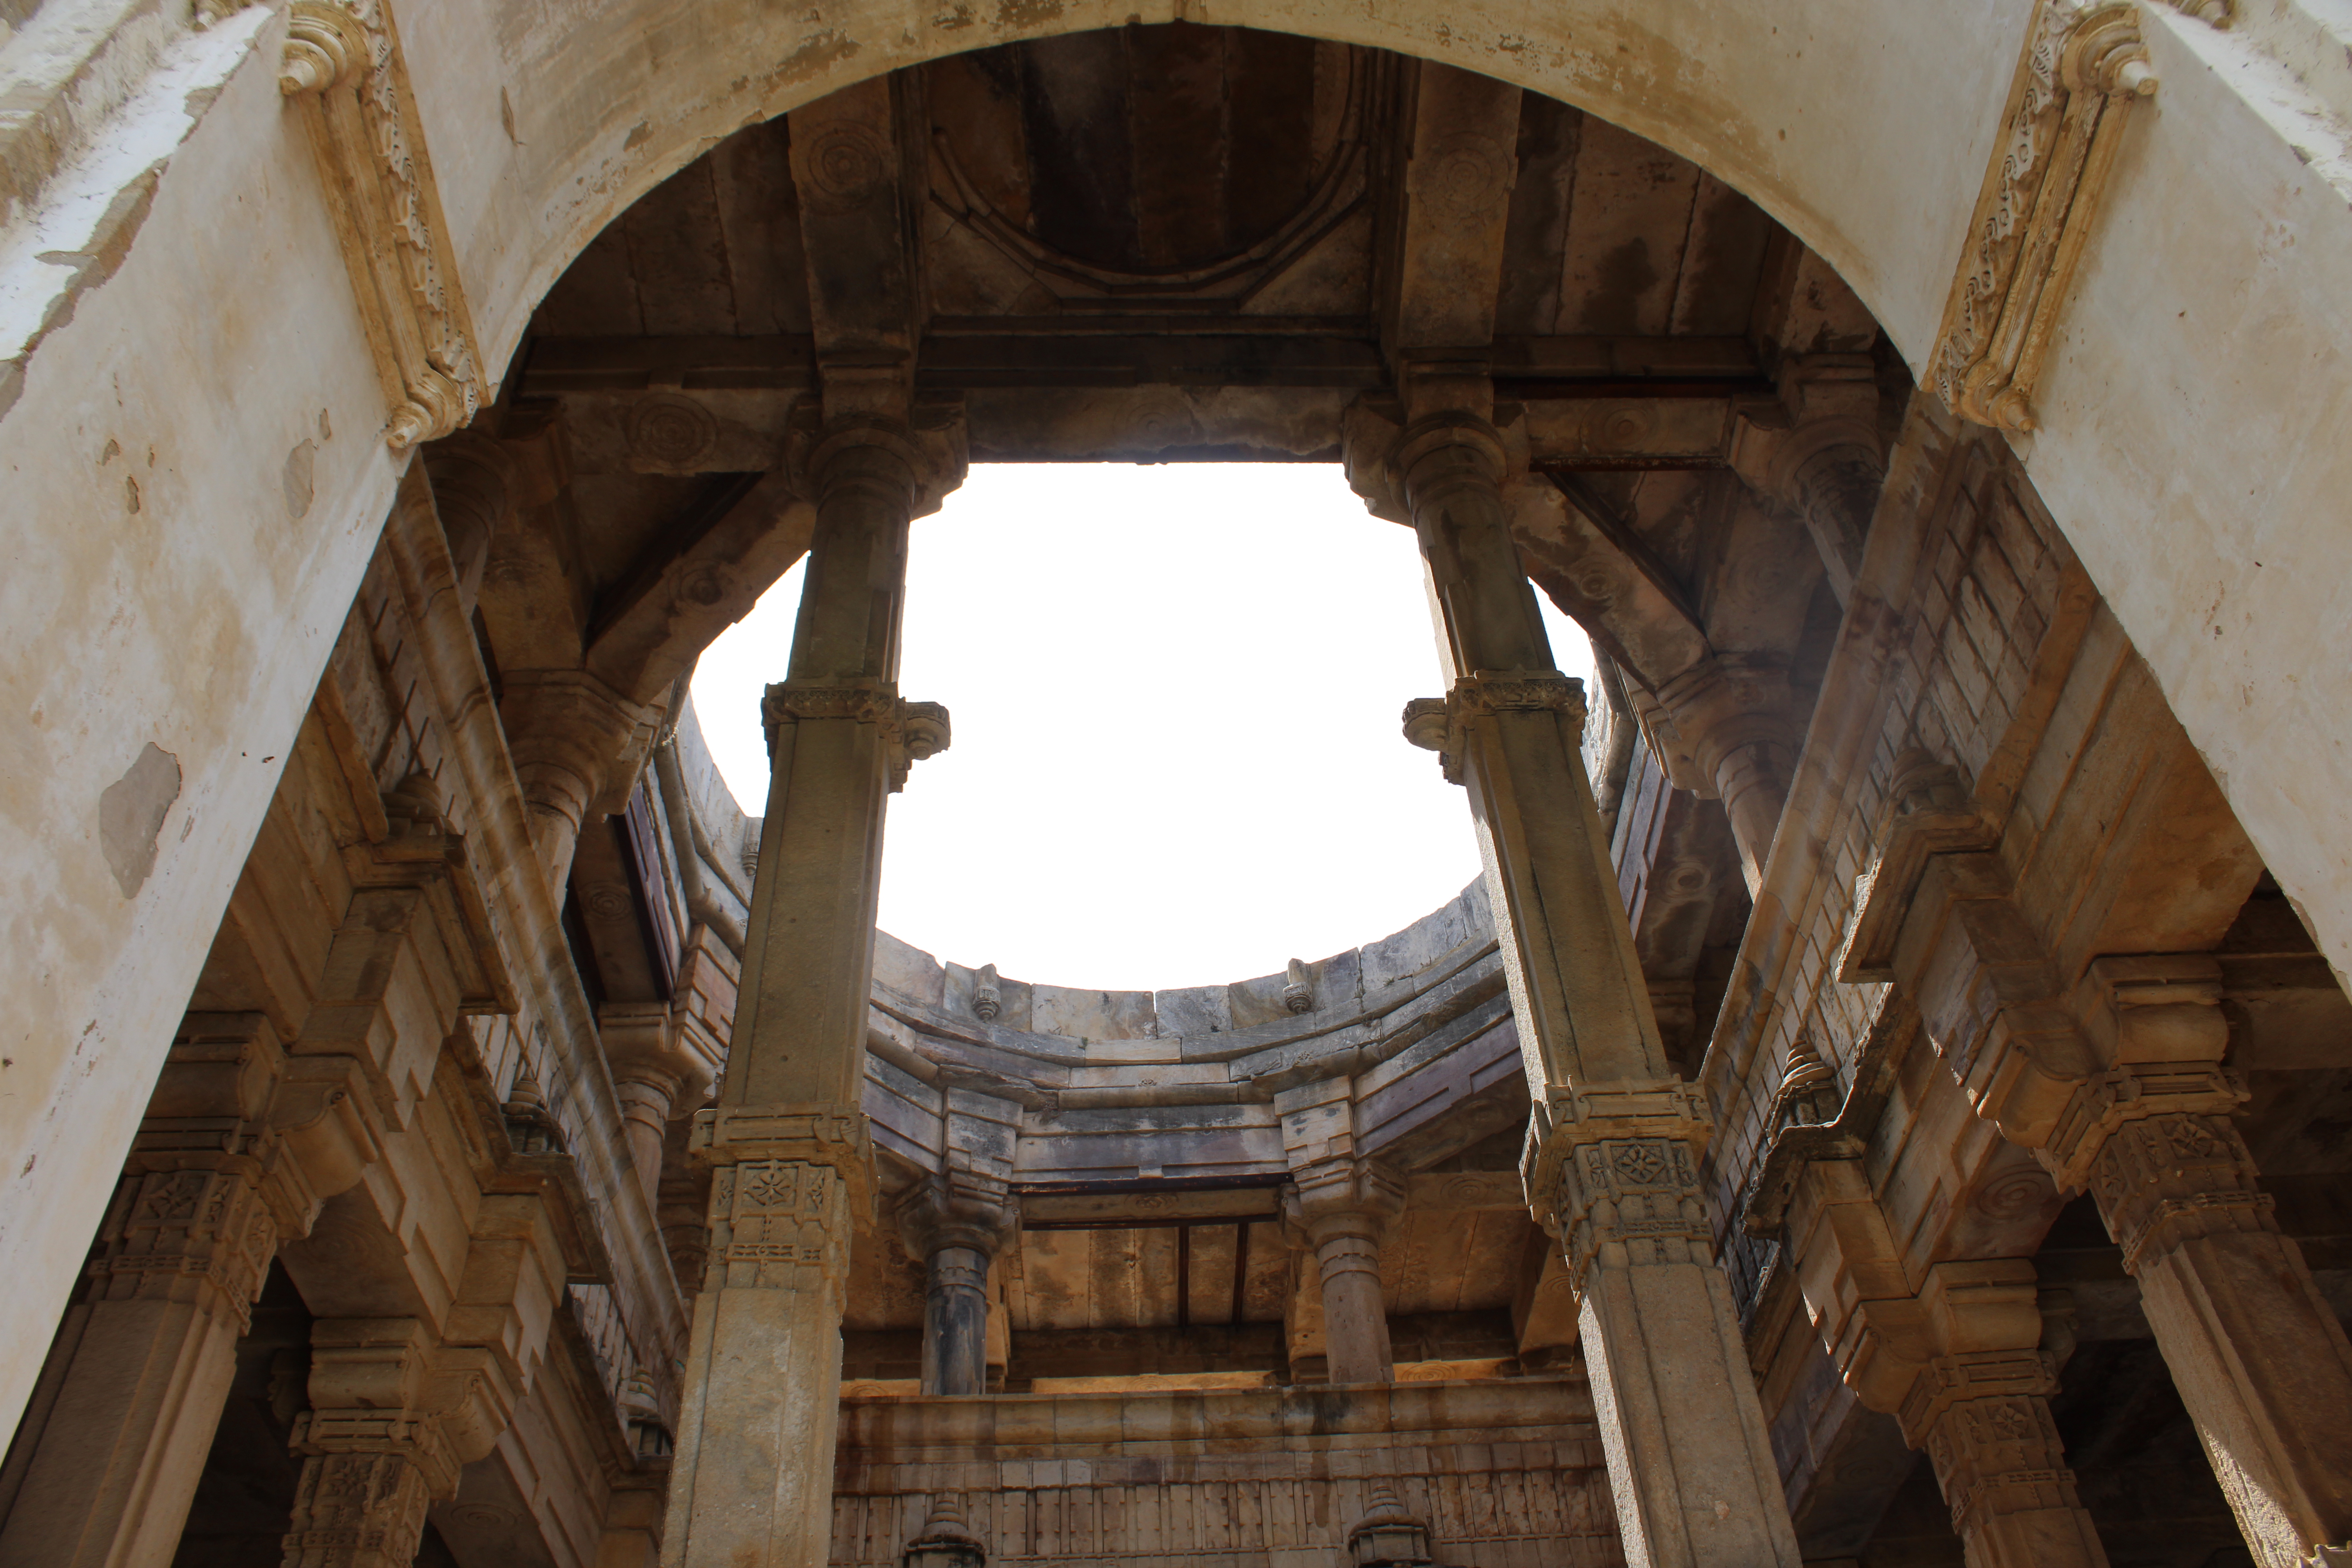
[(1613, 1170), (787, 1183), (1343, 1195), (2083, 67), (960, 1208), (912, 733), (1441, 724), (343, 68)]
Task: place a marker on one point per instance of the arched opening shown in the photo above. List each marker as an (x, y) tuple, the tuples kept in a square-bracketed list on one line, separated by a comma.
[(1870, 775)]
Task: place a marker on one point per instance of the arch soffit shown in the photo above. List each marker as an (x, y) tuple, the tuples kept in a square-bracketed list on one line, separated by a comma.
[(1864, 128)]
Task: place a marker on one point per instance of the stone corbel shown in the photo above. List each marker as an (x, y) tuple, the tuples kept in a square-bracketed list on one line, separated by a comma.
[(911, 731), (2083, 67), (1928, 812), (343, 68), (1441, 724)]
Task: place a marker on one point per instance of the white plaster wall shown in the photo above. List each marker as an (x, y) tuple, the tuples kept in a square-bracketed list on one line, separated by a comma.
[(2193, 411), (2197, 441), (199, 623)]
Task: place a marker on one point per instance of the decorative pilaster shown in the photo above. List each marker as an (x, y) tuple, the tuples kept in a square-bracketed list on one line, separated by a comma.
[(1734, 720), (1614, 1138), (578, 746), (660, 1062), (236, 1155)]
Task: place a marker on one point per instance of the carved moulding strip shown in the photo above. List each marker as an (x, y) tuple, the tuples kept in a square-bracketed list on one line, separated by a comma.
[(2083, 67), (1441, 724), (343, 68), (911, 731)]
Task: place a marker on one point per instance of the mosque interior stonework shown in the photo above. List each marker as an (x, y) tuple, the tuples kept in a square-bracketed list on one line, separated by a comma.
[(1885, 1102)]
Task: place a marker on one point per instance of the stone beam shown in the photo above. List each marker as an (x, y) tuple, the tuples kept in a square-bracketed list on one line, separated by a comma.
[(1678, 392), (857, 183)]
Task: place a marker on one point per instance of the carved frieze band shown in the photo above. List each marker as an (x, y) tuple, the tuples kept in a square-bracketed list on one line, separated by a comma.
[(911, 731), (342, 66), (2084, 65), (1441, 724)]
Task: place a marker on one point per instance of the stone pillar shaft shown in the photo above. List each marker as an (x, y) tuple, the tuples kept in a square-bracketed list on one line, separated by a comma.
[(955, 1323), (957, 1222), (1345, 1206), (1612, 1162), (2261, 1361), (1355, 1321), (752, 1478)]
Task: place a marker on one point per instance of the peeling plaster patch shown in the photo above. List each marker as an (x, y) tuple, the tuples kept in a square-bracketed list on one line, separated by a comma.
[(130, 813), (639, 134), (1024, 14), (824, 51), (297, 479)]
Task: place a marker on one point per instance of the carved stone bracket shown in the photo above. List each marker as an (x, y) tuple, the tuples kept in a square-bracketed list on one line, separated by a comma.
[(2084, 66), (1928, 812), (1441, 724), (343, 65), (911, 731)]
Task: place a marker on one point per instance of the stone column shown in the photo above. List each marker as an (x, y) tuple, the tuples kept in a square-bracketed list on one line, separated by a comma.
[(1958, 1362), (1734, 720), (1613, 1161), (1345, 1206), (108, 1457), (393, 1419), (577, 744), (957, 1226), (1984, 1420), (2260, 1360), (752, 1478), (661, 1060)]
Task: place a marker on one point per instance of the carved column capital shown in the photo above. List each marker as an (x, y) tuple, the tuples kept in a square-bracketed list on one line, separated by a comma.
[(1435, 456), (911, 731), (1649, 1112), (1341, 1194), (577, 743), (958, 1208)]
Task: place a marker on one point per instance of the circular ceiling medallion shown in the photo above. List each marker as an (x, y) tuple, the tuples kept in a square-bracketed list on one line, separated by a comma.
[(671, 431), (842, 168), (1465, 175)]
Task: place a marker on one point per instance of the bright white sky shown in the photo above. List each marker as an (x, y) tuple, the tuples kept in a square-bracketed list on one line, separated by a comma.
[(1175, 694)]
